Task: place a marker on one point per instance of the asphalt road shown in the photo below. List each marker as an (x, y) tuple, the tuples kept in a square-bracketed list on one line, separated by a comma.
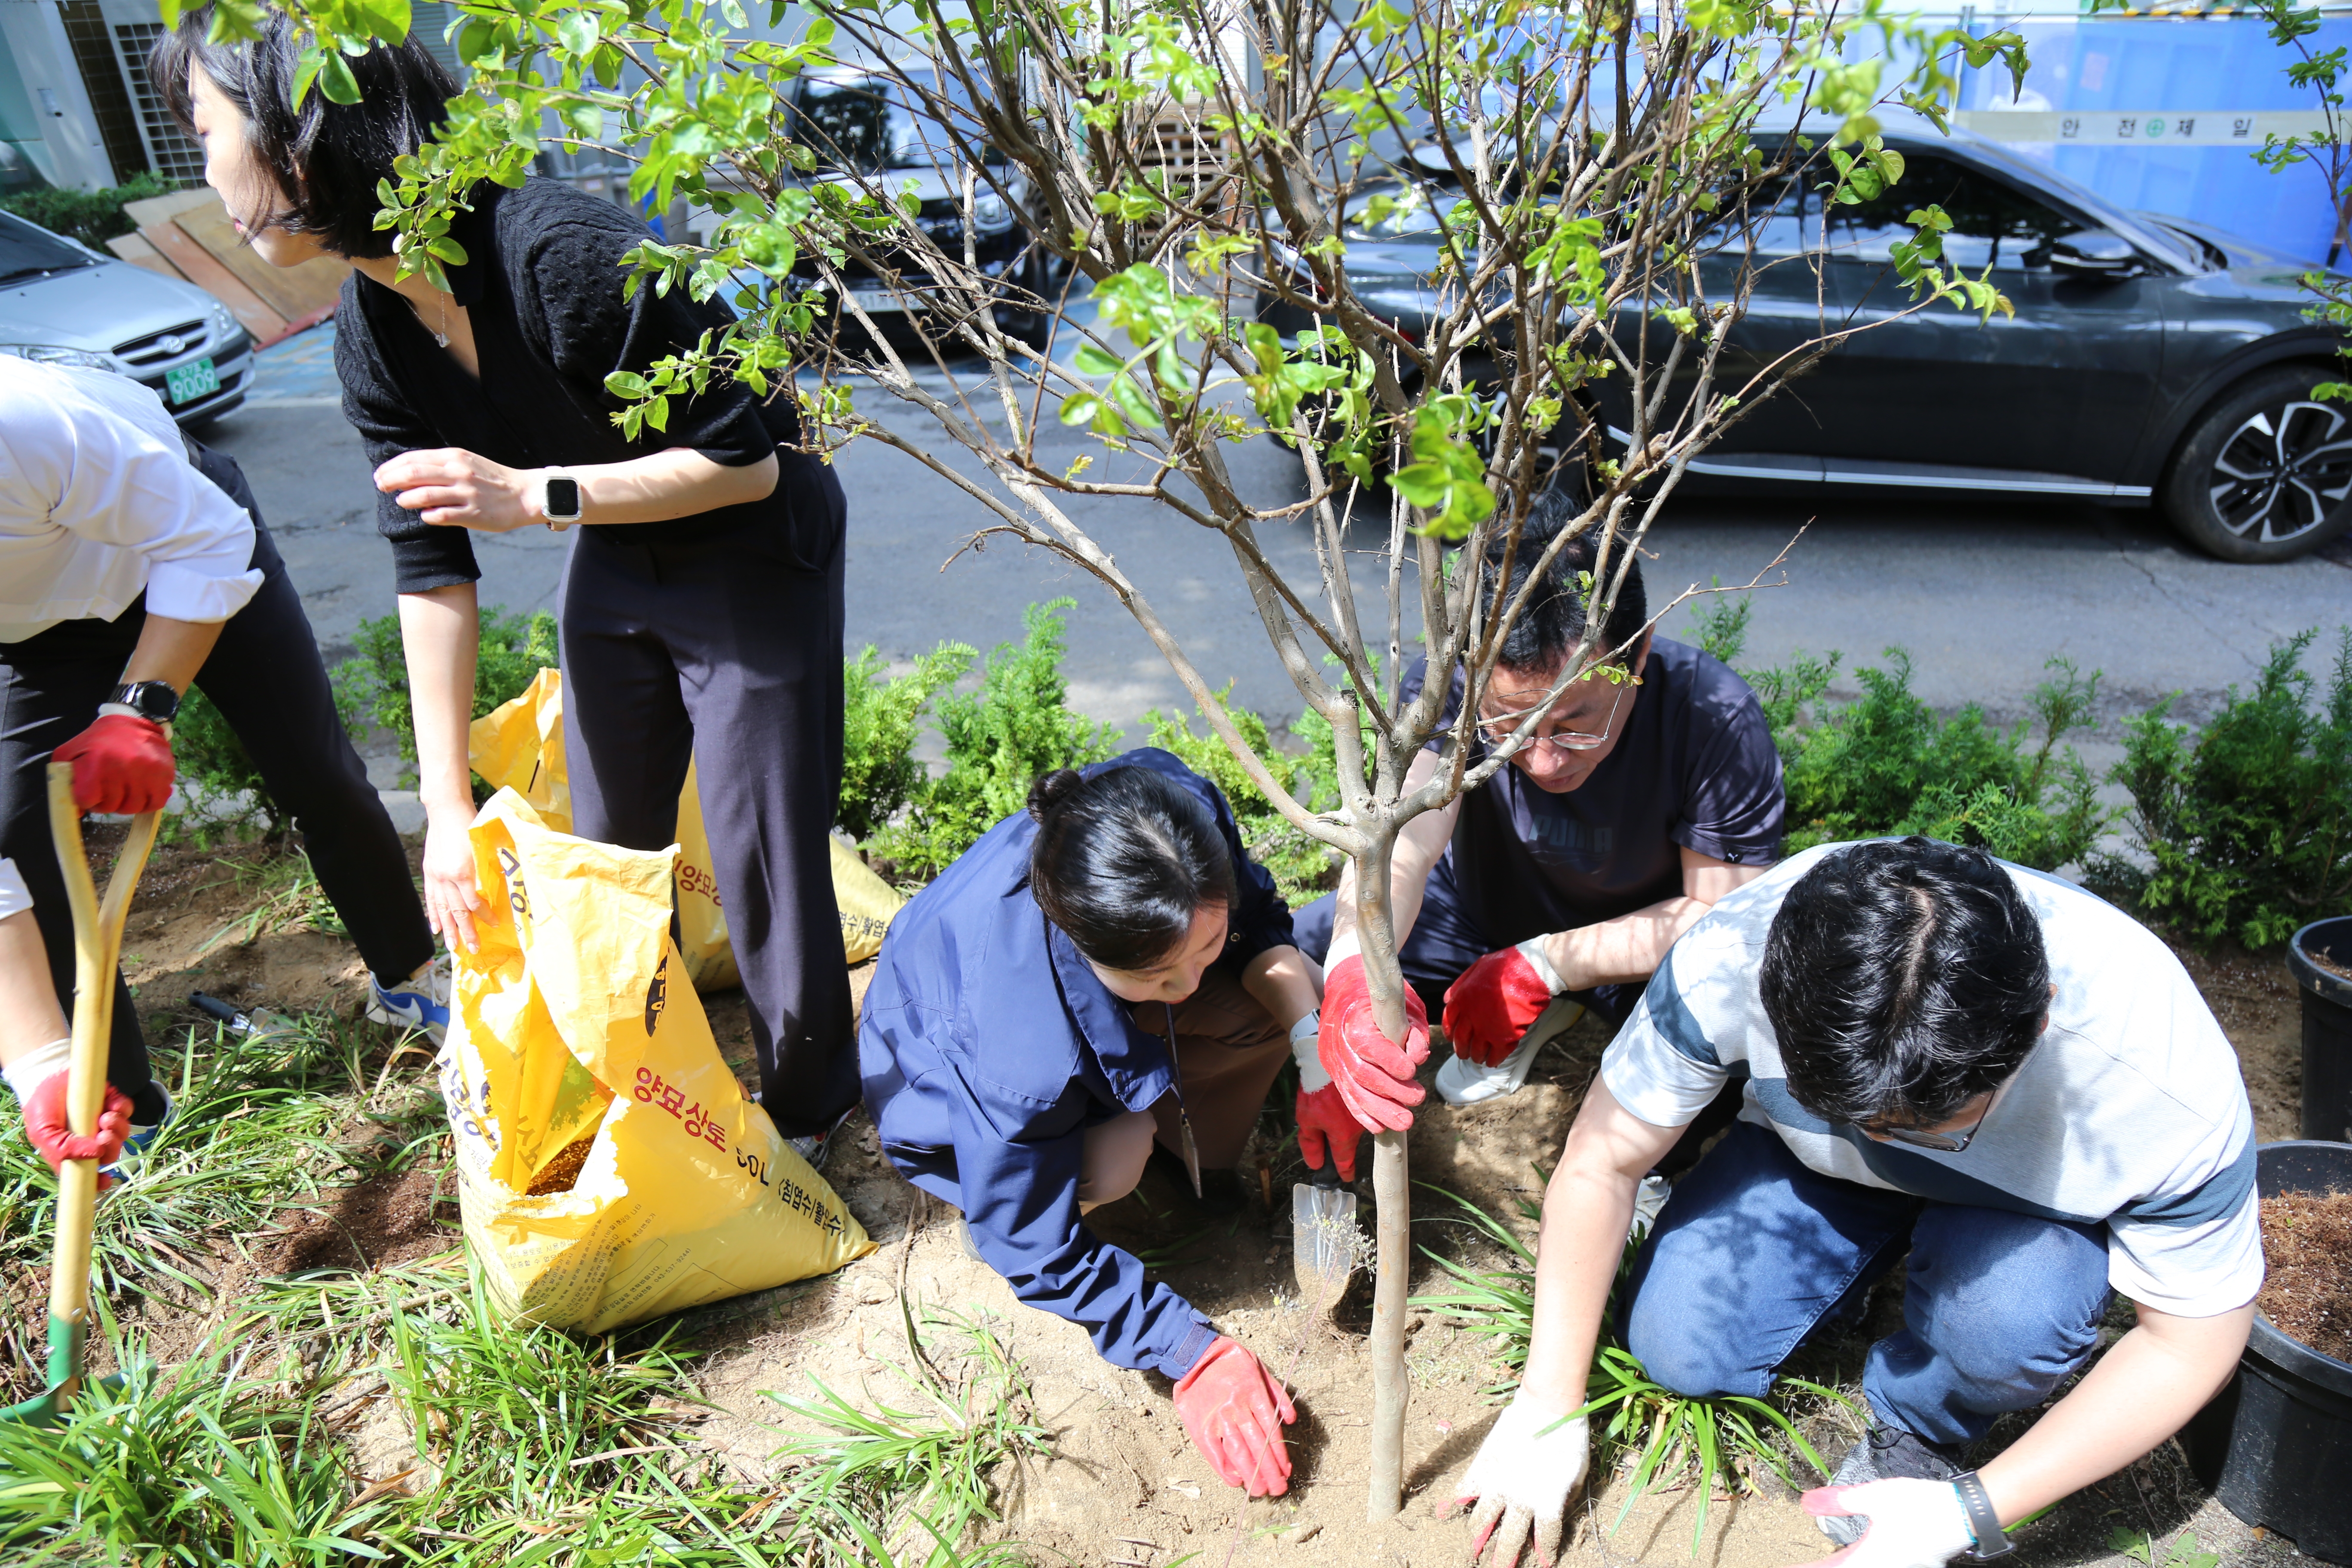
[(1982, 592)]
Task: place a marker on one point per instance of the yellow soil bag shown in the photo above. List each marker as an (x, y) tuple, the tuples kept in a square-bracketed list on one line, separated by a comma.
[(520, 746), (609, 1167)]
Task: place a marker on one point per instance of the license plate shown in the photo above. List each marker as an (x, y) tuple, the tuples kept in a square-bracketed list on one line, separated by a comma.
[(874, 299), (185, 384)]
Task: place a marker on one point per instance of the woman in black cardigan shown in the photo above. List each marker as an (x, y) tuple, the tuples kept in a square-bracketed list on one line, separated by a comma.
[(701, 606)]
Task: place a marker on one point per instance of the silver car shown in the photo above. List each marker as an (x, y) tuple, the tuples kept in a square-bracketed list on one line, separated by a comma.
[(65, 303)]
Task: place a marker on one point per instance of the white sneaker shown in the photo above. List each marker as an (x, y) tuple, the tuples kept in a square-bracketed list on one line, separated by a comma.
[(419, 1002), (1461, 1081)]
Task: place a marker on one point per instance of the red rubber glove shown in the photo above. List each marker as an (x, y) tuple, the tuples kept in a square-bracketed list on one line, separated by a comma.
[(1493, 1005), (120, 764), (1374, 1074), (1235, 1413), (1326, 1128), (53, 1135)]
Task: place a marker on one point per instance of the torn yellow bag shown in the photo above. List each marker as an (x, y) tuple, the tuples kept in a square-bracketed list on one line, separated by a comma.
[(609, 1167), (520, 746)]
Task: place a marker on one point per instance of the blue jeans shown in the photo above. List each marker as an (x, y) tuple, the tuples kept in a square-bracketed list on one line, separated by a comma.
[(1754, 1248)]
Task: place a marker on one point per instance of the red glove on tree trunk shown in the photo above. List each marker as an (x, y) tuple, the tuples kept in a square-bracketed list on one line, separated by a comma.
[(1494, 1004), (1374, 1074), (120, 764), (1234, 1412), (53, 1135), (1324, 1127)]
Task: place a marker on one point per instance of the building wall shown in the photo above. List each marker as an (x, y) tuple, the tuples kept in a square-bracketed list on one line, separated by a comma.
[(52, 121)]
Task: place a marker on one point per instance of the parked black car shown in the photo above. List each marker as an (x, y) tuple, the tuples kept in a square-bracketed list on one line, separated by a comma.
[(866, 129), (2151, 358)]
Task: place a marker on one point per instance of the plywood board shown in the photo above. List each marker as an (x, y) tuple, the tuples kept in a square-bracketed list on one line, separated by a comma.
[(163, 209), (292, 292), (135, 249), (196, 264)]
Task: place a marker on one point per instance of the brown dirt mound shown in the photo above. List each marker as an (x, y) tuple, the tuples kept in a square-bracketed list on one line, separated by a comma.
[(392, 1217), (2307, 1242), (2256, 1000)]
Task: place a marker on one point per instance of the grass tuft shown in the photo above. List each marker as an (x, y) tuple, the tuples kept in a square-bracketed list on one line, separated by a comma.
[(1662, 1439)]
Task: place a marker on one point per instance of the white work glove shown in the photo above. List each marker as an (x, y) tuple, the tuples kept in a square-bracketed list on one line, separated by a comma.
[(1913, 1523), (1526, 1470)]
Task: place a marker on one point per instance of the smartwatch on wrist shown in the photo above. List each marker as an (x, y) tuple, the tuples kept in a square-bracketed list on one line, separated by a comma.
[(153, 700), (562, 502), (1984, 1522)]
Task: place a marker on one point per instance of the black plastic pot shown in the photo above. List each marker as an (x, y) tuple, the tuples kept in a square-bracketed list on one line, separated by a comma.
[(2275, 1446), (2326, 1027)]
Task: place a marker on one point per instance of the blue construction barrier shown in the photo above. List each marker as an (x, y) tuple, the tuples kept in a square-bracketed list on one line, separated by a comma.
[(2159, 114)]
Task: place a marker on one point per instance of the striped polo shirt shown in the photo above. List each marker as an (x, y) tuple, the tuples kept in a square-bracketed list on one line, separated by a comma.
[(2129, 1113)]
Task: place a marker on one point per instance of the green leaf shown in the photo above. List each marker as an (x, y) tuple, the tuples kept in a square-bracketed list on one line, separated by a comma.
[(626, 384), (336, 80), (1092, 359)]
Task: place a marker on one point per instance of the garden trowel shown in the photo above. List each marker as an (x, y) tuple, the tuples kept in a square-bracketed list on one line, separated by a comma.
[(1325, 1244), (98, 942)]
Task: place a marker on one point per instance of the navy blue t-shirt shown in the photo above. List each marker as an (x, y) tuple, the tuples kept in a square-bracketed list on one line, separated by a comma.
[(1694, 768)]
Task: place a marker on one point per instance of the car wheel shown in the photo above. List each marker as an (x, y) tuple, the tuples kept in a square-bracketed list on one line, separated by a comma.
[(2264, 474)]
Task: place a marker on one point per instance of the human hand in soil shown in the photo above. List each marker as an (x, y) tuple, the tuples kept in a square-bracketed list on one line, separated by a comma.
[(1234, 1412), (1913, 1523), (53, 1136), (453, 899), (1374, 1074), (1496, 1001), (1517, 1488), (120, 764)]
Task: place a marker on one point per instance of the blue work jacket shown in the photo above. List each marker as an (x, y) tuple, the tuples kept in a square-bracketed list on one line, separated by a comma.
[(988, 1047)]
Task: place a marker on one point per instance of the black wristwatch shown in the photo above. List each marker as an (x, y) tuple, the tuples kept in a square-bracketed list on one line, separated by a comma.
[(153, 700), (1984, 1524)]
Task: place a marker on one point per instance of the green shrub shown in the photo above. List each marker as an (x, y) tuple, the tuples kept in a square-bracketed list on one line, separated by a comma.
[(879, 774), (1303, 866), (999, 739), (1885, 765), (92, 217), (374, 684), (2248, 823)]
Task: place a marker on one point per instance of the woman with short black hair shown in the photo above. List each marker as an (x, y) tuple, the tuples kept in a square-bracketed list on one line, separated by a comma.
[(1015, 1046), (701, 606)]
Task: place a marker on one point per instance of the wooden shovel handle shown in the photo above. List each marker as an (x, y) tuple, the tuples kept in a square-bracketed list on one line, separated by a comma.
[(98, 944)]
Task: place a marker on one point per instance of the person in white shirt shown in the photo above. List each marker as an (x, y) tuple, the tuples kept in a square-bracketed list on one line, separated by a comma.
[(1948, 1060), (133, 564)]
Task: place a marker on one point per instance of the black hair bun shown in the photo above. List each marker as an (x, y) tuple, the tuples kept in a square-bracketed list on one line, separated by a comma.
[(1051, 790)]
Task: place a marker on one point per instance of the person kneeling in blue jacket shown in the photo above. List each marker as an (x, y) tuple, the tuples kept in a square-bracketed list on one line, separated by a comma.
[(1017, 1053)]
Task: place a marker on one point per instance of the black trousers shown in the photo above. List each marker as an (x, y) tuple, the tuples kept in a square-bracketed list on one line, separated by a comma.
[(724, 649), (267, 678)]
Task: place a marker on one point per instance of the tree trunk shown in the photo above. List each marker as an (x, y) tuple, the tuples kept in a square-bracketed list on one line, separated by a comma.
[(1391, 1187), (1392, 1190)]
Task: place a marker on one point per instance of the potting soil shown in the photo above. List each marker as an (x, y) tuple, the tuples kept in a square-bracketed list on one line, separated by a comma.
[(2307, 1242)]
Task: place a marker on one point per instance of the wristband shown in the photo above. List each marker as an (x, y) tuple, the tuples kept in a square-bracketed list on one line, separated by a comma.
[(1303, 1035), (36, 1066), (1984, 1520), (1532, 950)]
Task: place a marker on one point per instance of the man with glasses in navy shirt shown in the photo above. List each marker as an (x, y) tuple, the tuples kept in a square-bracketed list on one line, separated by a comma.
[(1648, 792)]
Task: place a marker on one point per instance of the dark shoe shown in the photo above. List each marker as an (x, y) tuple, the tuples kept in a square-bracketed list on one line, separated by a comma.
[(1885, 1454)]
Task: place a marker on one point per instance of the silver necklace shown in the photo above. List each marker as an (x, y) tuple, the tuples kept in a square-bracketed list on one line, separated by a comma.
[(441, 302)]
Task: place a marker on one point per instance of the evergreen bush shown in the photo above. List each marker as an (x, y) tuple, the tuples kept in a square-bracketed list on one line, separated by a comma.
[(2247, 824), (879, 774), (373, 683), (92, 217)]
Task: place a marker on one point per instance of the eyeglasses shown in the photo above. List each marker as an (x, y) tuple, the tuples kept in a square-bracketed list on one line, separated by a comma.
[(1948, 1142), (1497, 732)]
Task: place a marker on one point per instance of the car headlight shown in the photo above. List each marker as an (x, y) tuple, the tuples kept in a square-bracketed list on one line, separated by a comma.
[(990, 213), (225, 325), (58, 353)]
